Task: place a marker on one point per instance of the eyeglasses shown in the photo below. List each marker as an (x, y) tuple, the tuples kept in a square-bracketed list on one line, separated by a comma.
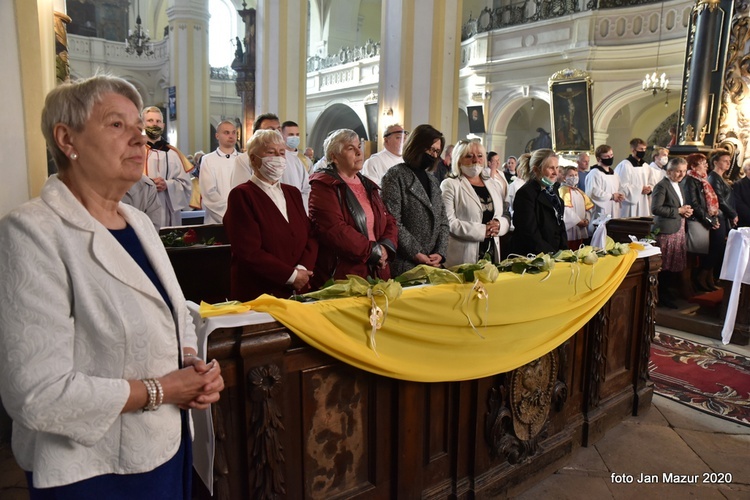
[(405, 132), (435, 151)]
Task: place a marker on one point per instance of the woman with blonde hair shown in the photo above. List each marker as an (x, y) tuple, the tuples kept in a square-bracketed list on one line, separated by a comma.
[(474, 204), (538, 209)]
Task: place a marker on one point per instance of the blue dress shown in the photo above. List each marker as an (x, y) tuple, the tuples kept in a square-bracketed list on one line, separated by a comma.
[(171, 480)]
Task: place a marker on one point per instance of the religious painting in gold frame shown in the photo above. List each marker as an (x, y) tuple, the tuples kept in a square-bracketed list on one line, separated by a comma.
[(570, 110)]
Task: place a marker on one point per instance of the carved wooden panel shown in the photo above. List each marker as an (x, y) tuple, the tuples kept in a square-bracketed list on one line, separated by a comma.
[(335, 437)]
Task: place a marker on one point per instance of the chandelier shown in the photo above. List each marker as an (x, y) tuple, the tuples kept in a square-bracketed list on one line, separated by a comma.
[(652, 83), (138, 42)]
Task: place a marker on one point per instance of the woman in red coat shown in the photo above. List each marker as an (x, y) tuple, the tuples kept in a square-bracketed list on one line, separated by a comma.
[(273, 248), (357, 235)]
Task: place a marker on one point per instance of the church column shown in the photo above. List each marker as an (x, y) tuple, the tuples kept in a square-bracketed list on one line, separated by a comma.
[(703, 79), (189, 73), (419, 63), (281, 56)]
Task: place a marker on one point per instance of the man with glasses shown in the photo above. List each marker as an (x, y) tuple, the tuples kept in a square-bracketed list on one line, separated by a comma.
[(378, 164)]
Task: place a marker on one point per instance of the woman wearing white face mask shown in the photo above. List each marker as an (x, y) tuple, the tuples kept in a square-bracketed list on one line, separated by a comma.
[(273, 249), (475, 207), (577, 212)]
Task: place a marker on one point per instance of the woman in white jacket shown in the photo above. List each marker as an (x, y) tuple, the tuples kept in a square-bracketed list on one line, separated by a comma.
[(477, 213), (97, 350)]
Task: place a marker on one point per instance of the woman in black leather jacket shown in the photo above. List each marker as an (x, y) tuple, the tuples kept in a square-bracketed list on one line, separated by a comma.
[(720, 163), (704, 202)]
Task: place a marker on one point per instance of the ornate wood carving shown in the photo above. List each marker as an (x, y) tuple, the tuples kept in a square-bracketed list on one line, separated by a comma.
[(335, 441), (519, 409), (648, 330), (266, 452), (598, 348), (560, 392), (221, 464)]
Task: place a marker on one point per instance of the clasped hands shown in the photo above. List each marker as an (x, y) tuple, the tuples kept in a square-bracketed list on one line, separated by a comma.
[(195, 386), (685, 211), (492, 228), (434, 259)]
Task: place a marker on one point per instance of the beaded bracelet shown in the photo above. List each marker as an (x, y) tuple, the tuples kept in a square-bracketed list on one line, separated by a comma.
[(155, 394)]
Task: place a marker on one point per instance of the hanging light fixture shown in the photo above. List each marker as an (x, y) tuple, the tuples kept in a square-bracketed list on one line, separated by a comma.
[(138, 42), (653, 83)]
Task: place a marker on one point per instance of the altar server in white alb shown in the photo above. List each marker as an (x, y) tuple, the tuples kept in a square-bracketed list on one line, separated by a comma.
[(378, 164), (296, 173), (603, 187), (168, 168), (216, 173), (658, 165), (635, 181)]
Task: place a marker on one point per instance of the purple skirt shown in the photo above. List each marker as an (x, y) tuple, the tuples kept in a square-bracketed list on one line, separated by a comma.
[(673, 249)]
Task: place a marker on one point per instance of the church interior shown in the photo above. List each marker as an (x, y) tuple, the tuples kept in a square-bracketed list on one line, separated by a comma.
[(493, 70)]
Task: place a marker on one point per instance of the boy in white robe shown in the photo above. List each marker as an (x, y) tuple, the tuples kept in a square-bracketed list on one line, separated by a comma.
[(635, 181)]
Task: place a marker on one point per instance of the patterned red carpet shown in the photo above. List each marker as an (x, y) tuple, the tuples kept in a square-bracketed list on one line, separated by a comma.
[(703, 377)]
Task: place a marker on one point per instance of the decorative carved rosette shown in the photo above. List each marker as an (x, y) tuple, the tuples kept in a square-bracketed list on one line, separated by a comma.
[(518, 409)]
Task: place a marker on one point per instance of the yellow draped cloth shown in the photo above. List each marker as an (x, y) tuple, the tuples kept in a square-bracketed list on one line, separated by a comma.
[(427, 337)]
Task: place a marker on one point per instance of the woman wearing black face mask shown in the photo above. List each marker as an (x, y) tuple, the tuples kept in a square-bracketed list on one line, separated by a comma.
[(413, 197)]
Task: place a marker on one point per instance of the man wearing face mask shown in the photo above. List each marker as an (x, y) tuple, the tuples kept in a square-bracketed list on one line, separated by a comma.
[(168, 168), (658, 171), (578, 206), (603, 187), (635, 181), (296, 172), (378, 164)]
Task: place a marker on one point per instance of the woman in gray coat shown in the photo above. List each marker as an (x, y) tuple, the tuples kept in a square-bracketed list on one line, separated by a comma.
[(670, 209), (413, 197)]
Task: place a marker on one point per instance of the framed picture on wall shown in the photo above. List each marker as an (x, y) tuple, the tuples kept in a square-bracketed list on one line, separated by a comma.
[(570, 109), (476, 119)]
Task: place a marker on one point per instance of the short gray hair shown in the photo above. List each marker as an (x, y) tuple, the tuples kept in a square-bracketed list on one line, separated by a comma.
[(71, 104), (336, 141), (262, 139), (675, 162)]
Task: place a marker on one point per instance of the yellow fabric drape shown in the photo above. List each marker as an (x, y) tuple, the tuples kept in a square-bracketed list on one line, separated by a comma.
[(427, 338)]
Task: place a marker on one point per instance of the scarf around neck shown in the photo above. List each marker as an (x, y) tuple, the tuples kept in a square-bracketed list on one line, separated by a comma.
[(712, 201)]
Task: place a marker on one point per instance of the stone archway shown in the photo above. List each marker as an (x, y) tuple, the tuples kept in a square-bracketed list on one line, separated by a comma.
[(334, 117), (514, 123)]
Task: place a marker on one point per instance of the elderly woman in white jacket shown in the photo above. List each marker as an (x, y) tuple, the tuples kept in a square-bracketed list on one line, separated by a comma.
[(97, 350), (477, 213)]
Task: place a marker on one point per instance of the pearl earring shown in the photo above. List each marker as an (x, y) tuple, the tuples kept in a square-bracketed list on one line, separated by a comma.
[(73, 156)]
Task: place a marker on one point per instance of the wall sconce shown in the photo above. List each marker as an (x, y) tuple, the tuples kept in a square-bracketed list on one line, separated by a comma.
[(388, 112), (532, 104)]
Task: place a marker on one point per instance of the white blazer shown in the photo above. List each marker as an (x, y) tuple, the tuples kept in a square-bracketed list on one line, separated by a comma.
[(78, 318), (464, 211)]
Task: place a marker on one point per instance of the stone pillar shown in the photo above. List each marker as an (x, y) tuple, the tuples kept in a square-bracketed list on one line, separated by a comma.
[(419, 63), (705, 60), (244, 65), (281, 64), (189, 73)]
